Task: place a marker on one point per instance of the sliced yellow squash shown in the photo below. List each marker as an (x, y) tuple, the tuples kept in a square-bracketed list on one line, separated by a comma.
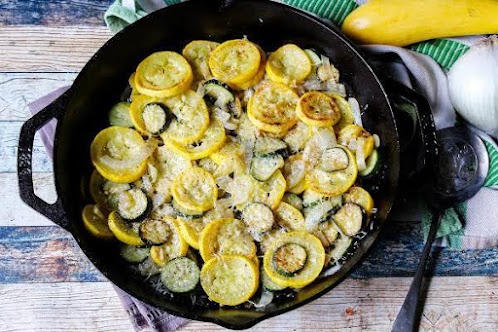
[(95, 222), (163, 74), (272, 108), (355, 138), (235, 61), (230, 279), (347, 117), (289, 217), (317, 109), (174, 247), (190, 231), (123, 230), (191, 118), (197, 53), (195, 189), (312, 264), (226, 236), (119, 154), (289, 65), (259, 75), (137, 108), (170, 163), (360, 196), (212, 141)]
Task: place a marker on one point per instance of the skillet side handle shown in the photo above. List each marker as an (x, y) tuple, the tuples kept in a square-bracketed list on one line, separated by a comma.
[(54, 212)]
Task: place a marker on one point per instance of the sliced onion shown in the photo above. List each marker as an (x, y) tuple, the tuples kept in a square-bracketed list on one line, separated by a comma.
[(325, 138), (249, 150), (330, 271), (325, 60), (313, 84), (376, 140), (206, 73), (355, 109), (221, 115), (332, 86), (157, 200), (360, 158), (265, 299), (200, 89)]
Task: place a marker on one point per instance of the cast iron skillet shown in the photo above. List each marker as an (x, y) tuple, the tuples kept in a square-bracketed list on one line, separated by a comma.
[(82, 111)]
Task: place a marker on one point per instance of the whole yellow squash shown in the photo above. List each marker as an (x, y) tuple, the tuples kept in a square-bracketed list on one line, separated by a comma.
[(404, 22)]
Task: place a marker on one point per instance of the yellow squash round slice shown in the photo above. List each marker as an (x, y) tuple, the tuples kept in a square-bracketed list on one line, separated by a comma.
[(119, 154), (96, 222), (355, 138), (174, 247), (212, 141), (191, 118), (333, 183), (230, 279), (288, 65), (271, 191), (257, 78), (197, 53), (136, 110), (317, 109), (123, 231), (313, 262), (195, 189), (226, 236), (235, 61), (190, 231), (360, 196), (272, 108), (163, 74)]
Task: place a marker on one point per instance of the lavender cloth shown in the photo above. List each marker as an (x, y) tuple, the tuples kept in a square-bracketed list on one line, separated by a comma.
[(143, 316)]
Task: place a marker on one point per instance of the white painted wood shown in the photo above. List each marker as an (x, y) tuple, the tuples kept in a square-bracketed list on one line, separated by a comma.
[(453, 304), (16, 212), (17, 90), (27, 48)]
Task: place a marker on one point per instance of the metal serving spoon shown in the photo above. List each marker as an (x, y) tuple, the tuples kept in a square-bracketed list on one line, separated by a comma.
[(460, 173)]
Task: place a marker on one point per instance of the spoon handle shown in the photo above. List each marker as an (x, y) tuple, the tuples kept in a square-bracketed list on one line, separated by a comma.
[(407, 317)]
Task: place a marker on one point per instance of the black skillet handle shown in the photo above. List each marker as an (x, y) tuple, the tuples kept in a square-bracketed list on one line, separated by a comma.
[(55, 211)]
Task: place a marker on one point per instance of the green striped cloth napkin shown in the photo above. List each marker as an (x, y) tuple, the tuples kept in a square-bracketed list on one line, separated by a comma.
[(474, 231)]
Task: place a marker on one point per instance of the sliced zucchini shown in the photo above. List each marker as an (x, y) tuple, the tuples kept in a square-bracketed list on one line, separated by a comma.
[(134, 254), (258, 217), (262, 168), (361, 197), (268, 146), (180, 275), (217, 93), (154, 231), (338, 249), (311, 198), (289, 259), (334, 159), (293, 200), (185, 213), (174, 247), (119, 115), (327, 232), (289, 217), (320, 212), (267, 283), (156, 117), (133, 204), (371, 164), (315, 59), (349, 218)]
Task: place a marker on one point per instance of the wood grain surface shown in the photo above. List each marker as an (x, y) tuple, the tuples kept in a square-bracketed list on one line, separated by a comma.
[(355, 305)]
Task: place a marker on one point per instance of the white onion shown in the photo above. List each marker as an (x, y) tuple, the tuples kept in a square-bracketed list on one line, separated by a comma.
[(376, 140), (265, 299), (331, 86), (360, 158), (355, 109), (473, 85)]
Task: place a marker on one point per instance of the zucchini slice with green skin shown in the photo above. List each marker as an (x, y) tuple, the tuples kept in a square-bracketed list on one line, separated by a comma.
[(327, 232), (293, 200), (134, 254), (334, 159), (217, 93), (262, 168), (315, 59), (269, 146), (180, 275), (119, 115), (258, 217), (156, 117), (372, 163), (321, 211), (133, 204), (154, 231), (350, 218), (289, 259), (185, 213), (338, 249)]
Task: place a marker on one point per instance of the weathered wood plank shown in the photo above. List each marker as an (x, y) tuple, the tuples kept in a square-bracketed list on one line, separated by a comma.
[(17, 213), (49, 254), (17, 90), (61, 12), (355, 305), (9, 138), (49, 49)]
